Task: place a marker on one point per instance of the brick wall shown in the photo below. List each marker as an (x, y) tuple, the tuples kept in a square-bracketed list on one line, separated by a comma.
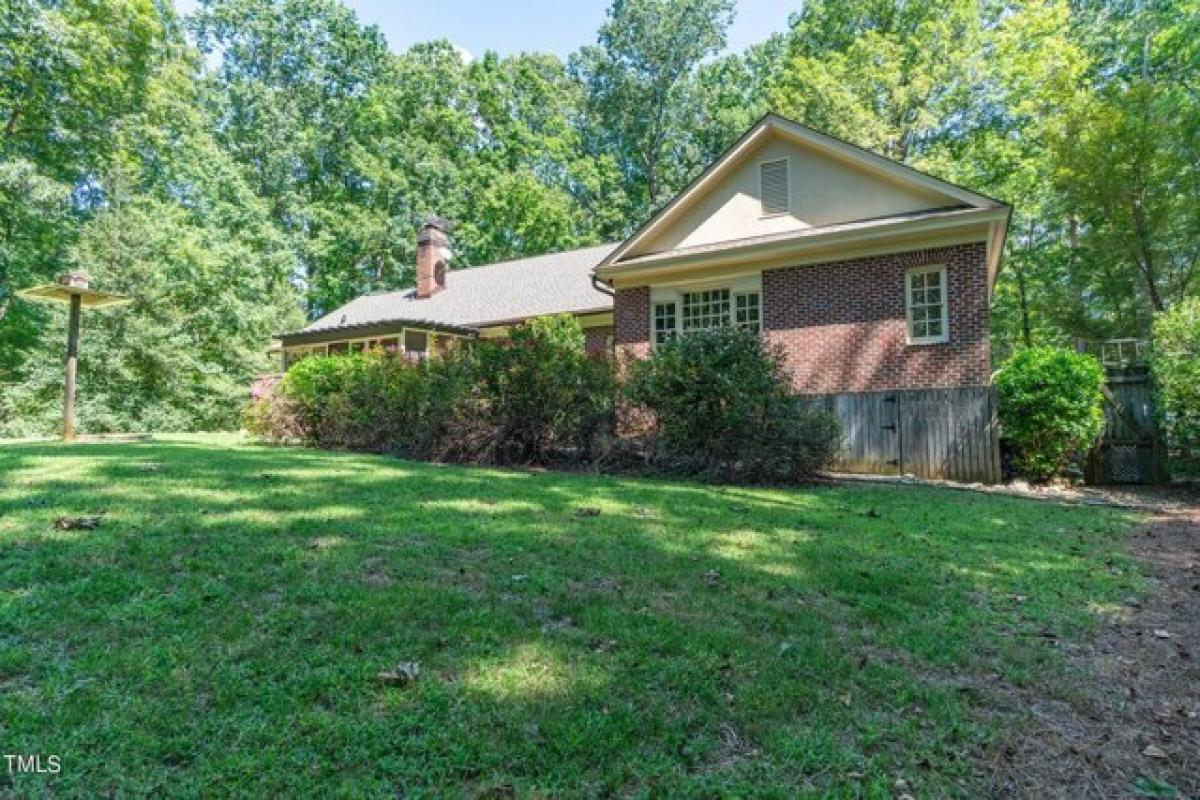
[(631, 322), (842, 324), (595, 340)]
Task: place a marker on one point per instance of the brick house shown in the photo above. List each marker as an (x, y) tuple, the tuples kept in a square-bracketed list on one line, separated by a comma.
[(873, 278)]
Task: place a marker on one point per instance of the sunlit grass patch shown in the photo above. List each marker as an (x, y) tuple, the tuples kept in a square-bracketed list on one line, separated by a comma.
[(221, 631)]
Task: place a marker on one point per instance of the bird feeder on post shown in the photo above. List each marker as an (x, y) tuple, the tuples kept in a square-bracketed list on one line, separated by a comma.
[(72, 288)]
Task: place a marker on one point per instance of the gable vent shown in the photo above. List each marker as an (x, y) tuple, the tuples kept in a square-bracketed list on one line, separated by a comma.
[(773, 181)]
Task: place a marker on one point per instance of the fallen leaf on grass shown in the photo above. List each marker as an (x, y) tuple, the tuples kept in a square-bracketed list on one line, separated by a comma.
[(587, 511), (405, 673), (78, 523)]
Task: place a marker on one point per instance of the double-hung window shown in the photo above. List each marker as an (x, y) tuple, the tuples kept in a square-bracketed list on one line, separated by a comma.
[(928, 320)]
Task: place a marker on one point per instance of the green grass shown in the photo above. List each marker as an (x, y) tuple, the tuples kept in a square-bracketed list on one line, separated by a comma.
[(221, 631)]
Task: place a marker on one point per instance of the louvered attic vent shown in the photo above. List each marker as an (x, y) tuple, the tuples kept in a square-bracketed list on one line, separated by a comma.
[(773, 180)]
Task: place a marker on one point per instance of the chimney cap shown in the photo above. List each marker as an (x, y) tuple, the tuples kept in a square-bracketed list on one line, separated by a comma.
[(436, 221)]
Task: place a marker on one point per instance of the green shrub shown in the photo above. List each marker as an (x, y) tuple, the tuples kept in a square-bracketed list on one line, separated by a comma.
[(546, 396), (533, 399), (272, 418), (314, 393), (1051, 406), (722, 406), (1175, 360)]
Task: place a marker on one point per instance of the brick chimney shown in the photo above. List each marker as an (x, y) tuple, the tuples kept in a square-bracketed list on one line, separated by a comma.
[(433, 251)]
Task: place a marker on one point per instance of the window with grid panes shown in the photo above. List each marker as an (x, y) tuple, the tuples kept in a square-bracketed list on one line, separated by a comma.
[(926, 301), (747, 312), (705, 309), (664, 322)]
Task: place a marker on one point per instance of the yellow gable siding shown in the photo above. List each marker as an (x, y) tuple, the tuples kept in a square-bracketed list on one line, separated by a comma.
[(824, 190)]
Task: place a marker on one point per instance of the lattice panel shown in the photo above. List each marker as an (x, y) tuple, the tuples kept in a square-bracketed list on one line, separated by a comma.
[(1126, 463)]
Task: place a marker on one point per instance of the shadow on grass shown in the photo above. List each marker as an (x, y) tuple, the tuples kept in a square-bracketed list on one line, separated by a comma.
[(223, 626)]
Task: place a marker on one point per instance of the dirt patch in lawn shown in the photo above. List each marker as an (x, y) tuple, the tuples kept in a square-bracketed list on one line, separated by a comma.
[(1127, 721)]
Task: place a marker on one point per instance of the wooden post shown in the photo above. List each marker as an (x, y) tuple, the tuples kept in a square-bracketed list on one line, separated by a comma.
[(71, 287), (72, 358)]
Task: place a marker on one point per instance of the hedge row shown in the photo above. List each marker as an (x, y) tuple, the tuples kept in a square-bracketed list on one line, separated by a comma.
[(719, 404)]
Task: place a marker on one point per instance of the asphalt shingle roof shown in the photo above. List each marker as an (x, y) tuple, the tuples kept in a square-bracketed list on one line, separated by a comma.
[(494, 293)]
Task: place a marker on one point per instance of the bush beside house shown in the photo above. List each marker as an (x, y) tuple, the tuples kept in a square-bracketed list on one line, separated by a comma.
[(720, 402), (537, 398), (722, 406), (1051, 407)]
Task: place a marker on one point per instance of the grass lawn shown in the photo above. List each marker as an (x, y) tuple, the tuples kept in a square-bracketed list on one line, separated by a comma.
[(221, 631)]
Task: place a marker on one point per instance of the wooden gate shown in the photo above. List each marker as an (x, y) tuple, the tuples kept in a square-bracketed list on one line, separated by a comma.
[(931, 433), (1131, 448)]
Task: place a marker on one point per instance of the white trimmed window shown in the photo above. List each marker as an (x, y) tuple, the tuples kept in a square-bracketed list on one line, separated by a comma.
[(747, 311), (679, 311), (774, 191), (928, 320), (665, 324), (705, 309)]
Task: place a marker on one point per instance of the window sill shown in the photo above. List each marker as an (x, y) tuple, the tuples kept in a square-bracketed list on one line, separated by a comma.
[(927, 342)]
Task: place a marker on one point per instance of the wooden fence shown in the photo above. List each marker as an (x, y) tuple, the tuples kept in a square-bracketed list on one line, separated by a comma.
[(931, 433)]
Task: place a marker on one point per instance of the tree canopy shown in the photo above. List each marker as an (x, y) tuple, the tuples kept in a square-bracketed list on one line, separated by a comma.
[(263, 161)]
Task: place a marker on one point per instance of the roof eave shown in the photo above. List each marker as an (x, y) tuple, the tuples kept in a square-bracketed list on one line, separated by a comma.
[(802, 243), (382, 327), (576, 312)]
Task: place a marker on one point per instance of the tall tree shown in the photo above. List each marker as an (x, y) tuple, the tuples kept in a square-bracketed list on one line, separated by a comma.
[(639, 81), (181, 232), (293, 76), (1035, 74), (895, 77), (69, 73), (1129, 160)]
